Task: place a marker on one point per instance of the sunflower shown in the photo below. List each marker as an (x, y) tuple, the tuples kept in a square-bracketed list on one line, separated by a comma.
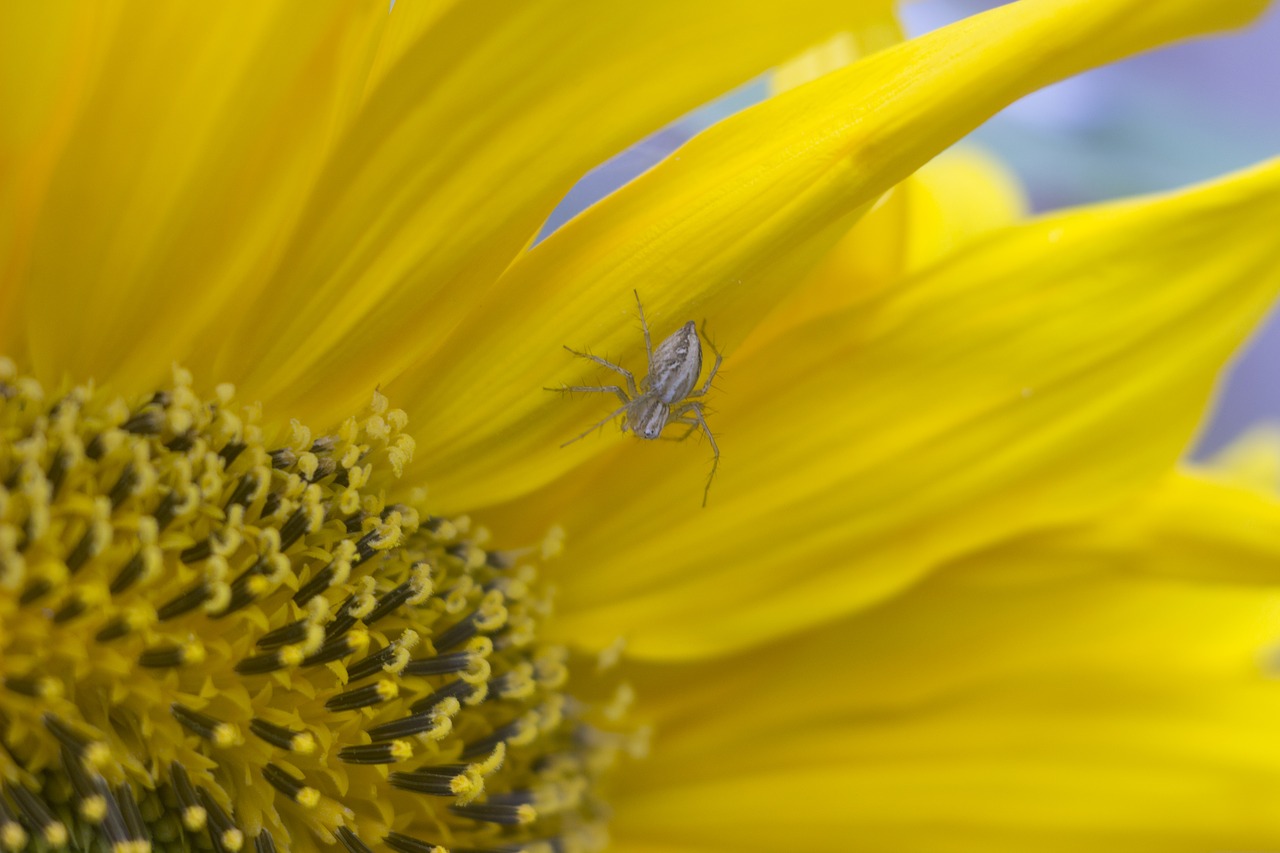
[(280, 475)]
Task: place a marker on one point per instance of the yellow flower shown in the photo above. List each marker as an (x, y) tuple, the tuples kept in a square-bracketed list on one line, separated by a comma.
[(231, 613), (1081, 690)]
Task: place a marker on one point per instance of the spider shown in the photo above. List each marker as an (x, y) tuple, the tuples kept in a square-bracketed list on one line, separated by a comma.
[(665, 395)]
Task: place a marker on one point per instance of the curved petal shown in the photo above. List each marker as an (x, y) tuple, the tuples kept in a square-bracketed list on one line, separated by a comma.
[(1042, 375), (954, 198), (723, 227), (304, 196), (1198, 525), (1090, 713), (165, 150), (460, 153)]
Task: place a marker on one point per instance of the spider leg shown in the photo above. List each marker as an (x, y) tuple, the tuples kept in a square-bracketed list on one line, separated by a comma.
[(698, 421), (684, 435), (648, 346), (595, 427), (605, 389), (626, 374), (706, 386)]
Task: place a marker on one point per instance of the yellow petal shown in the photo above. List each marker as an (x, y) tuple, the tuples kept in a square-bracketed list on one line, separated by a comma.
[(954, 198), (1253, 459), (1092, 713), (164, 153), (462, 151), (1043, 375), (1198, 525), (724, 227), (300, 197)]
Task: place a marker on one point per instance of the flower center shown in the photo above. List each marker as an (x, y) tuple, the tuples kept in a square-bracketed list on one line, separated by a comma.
[(210, 638)]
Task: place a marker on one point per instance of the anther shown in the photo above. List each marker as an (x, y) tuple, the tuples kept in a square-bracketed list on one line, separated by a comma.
[(70, 609), (442, 781), (91, 802), (231, 451), (125, 484), (300, 742), (405, 844), (247, 488), (415, 724), (387, 752), (226, 836), (319, 583), (115, 629), (185, 602), (37, 815), (149, 421), (13, 837), (294, 529), (295, 789), (182, 443), (351, 841), (441, 664), (86, 749), (34, 591), (263, 664), (458, 690), (363, 697), (166, 657), (213, 730), (505, 815), (137, 827), (294, 632), (390, 601), (511, 731), (372, 664), (341, 647), (264, 843), (194, 815), (197, 552)]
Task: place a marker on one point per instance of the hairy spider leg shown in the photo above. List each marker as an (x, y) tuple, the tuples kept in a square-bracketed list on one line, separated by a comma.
[(691, 413), (648, 346), (596, 426), (626, 374), (706, 386), (606, 389)]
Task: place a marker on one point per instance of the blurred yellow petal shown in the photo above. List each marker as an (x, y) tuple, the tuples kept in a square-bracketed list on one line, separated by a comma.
[(463, 150), (1253, 459), (358, 177), (170, 151), (724, 227), (1087, 713), (991, 394), (1197, 525), (952, 199)]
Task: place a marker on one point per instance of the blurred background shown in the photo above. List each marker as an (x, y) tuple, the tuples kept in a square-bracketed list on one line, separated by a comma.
[(1156, 122)]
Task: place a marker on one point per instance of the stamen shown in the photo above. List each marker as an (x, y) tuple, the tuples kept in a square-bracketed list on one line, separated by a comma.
[(351, 841), (229, 588), (294, 789), (302, 743), (405, 844)]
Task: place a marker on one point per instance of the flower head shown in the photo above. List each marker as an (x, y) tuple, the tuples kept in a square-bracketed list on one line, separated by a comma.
[(230, 611)]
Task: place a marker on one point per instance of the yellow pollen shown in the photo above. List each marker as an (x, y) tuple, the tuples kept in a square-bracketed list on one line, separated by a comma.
[(13, 837), (217, 632), (194, 818)]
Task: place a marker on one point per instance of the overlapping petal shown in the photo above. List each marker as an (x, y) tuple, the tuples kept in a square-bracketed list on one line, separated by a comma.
[(346, 174), (971, 716), (723, 227), (991, 394), (1199, 525)]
